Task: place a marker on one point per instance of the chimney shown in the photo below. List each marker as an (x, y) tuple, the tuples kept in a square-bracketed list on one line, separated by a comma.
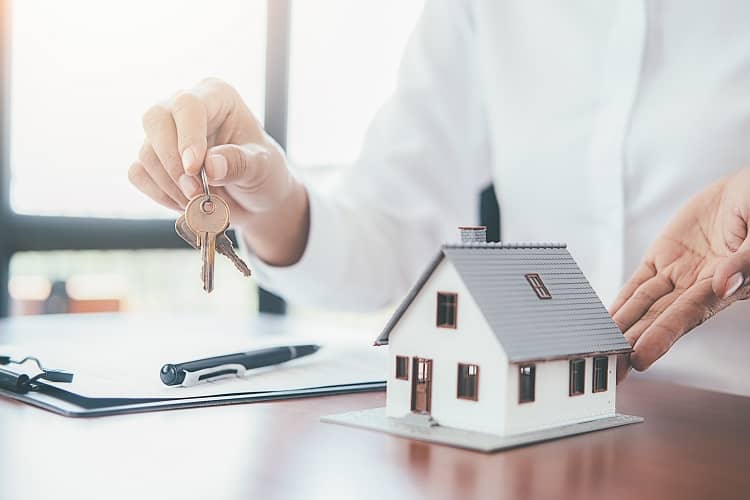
[(473, 234)]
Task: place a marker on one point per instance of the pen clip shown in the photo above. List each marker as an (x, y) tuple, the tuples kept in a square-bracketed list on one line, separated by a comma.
[(213, 373)]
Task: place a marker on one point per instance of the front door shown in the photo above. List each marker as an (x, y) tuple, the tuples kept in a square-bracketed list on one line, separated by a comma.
[(421, 386)]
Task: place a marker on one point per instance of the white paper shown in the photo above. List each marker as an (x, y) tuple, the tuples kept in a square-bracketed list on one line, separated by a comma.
[(130, 371)]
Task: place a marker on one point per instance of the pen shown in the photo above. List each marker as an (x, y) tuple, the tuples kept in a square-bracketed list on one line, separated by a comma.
[(230, 365)]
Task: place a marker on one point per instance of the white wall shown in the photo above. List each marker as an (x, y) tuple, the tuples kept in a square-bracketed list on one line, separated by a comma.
[(471, 342), (553, 405)]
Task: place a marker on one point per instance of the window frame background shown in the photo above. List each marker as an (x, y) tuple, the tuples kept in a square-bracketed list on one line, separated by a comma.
[(454, 324), (21, 233), (468, 366)]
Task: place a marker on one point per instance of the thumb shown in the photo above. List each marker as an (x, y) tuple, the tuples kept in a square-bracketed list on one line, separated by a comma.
[(732, 272), (245, 165)]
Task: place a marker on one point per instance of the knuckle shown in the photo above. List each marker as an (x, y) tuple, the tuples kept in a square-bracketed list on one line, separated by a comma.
[(214, 84), (184, 102), (136, 174), (154, 117)]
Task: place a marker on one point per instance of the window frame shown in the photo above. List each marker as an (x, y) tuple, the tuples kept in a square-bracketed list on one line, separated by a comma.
[(537, 284), (475, 376), (438, 324), (43, 233), (532, 375), (594, 386), (572, 391), (405, 376)]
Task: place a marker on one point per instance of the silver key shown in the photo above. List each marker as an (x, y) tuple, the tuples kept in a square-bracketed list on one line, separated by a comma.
[(207, 216), (223, 245)]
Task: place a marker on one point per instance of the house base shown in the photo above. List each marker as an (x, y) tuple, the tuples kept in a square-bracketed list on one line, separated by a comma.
[(375, 419)]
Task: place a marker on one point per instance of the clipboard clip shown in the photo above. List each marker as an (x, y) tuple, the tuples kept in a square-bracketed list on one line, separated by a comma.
[(22, 383)]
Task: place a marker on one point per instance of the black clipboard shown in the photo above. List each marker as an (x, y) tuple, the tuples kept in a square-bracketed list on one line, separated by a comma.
[(69, 404)]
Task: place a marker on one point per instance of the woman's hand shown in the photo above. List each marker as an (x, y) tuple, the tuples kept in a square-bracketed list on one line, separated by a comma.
[(698, 266), (210, 125)]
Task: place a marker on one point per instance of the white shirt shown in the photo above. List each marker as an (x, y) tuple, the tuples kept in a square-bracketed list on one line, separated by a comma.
[(595, 120)]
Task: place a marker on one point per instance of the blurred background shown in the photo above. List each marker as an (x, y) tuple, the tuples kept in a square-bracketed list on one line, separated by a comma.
[(75, 77)]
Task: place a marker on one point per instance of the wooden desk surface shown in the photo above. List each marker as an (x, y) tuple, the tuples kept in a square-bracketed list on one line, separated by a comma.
[(694, 444)]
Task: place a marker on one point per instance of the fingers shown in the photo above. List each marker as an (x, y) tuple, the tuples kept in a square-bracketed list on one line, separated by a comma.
[(189, 115), (644, 272), (689, 310), (161, 134), (246, 165), (732, 273), (158, 174), (641, 300), (143, 181)]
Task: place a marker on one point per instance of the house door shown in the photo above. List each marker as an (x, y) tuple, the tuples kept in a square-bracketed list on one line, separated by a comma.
[(421, 386)]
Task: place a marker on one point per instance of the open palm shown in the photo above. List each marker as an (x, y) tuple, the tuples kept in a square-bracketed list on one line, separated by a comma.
[(694, 269)]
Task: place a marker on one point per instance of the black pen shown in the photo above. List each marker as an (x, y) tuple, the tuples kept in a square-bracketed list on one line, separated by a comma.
[(230, 365)]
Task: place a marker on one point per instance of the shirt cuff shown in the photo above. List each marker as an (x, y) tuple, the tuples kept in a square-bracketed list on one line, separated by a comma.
[(321, 261)]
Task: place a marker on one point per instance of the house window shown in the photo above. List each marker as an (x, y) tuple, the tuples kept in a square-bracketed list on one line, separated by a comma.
[(538, 285), (577, 375), (447, 304), (468, 382), (600, 374), (526, 379), (402, 367)]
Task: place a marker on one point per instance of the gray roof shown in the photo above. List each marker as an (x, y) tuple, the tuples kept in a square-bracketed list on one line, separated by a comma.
[(573, 322)]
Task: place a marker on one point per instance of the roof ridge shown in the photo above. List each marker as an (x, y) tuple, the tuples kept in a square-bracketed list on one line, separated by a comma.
[(500, 244)]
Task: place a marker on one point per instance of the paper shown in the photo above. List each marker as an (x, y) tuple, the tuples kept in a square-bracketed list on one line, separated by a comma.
[(129, 372)]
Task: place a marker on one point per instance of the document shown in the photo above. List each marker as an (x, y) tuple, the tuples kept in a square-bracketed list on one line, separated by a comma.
[(132, 371)]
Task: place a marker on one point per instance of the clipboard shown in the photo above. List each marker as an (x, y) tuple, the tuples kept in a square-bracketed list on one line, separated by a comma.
[(70, 404)]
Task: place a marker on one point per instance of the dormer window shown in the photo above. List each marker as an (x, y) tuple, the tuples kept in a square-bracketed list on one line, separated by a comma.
[(538, 285), (447, 309)]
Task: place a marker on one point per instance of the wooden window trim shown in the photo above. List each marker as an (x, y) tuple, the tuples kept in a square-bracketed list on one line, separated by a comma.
[(451, 326), (571, 384), (406, 376), (606, 374), (537, 284), (533, 383), (458, 383)]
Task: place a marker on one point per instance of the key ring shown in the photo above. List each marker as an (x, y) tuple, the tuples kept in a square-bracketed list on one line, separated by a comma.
[(204, 181)]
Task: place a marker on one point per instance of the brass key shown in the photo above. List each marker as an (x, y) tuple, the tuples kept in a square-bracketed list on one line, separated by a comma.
[(223, 245), (207, 216)]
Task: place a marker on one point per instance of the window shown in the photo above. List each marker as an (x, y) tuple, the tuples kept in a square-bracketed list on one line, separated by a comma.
[(468, 382), (538, 285), (526, 381), (447, 304), (402, 367), (577, 375), (91, 69), (600, 374)]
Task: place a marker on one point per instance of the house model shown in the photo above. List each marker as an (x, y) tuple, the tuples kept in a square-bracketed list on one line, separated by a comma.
[(508, 343)]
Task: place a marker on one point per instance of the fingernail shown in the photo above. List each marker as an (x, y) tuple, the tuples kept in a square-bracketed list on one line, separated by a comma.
[(188, 158), (217, 167), (188, 185), (733, 284)]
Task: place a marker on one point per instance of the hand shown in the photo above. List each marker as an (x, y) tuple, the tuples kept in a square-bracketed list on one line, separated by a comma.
[(698, 266), (210, 125)]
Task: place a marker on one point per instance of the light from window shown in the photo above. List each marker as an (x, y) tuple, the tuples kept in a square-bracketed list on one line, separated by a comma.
[(468, 382), (447, 304), (526, 382), (82, 74), (344, 60), (402, 367), (577, 375), (538, 285), (600, 374)]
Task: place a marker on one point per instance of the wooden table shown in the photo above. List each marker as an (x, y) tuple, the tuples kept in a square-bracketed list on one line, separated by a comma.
[(694, 444)]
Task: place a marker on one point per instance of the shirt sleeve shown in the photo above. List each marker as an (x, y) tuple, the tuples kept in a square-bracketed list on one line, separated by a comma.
[(423, 163)]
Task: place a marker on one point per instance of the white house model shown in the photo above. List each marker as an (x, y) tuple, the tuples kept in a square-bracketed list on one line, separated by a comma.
[(502, 339)]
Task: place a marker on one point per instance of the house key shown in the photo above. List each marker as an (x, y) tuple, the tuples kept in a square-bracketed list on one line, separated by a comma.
[(223, 244)]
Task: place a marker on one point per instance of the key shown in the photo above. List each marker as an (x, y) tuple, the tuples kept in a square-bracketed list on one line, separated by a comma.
[(207, 216), (223, 245)]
